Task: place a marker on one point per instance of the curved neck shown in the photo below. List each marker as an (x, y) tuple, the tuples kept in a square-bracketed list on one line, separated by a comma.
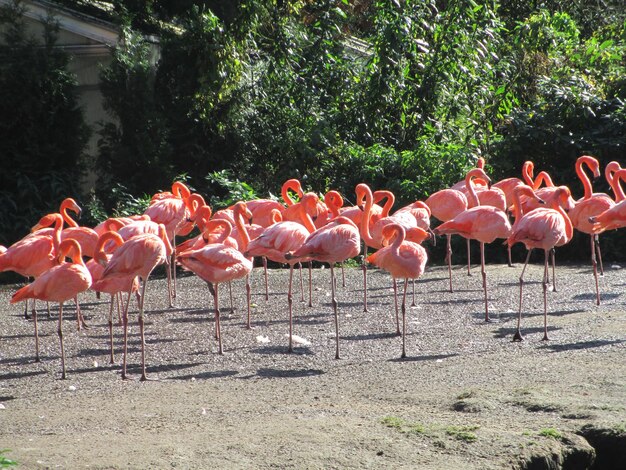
[(543, 177), (334, 202), (241, 226), (180, 190), (72, 249), (166, 241), (69, 204), (472, 199), (390, 200), (593, 165), (193, 203), (609, 173), (113, 224), (47, 221), (100, 256), (293, 185), (212, 225), (202, 216), (303, 213), (367, 214), (618, 177), (556, 205), (528, 173)]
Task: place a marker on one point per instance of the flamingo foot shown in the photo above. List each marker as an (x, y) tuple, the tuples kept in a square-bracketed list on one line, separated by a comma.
[(145, 378), (545, 337), (518, 336)]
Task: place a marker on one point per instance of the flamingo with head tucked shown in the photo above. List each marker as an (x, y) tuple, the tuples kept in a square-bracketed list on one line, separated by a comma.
[(58, 284)]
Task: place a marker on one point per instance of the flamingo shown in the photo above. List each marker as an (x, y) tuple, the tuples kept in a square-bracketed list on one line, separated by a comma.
[(171, 210), (482, 223), (402, 259), (609, 172), (589, 205), (334, 243), (275, 242), (60, 283), (216, 263), (544, 229), (33, 255), (112, 285), (138, 257), (612, 218), (508, 185)]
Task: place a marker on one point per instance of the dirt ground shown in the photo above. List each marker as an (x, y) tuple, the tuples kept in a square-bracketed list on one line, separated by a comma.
[(466, 396)]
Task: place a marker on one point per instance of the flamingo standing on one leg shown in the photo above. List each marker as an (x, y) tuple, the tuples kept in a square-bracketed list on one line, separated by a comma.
[(589, 205), (275, 242), (58, 284), (544, 229), (334, 243), (402, 259), (482, 223), (216, 263), (138, 257)]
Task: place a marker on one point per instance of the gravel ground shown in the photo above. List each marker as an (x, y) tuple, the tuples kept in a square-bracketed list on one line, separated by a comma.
[(466, 396)]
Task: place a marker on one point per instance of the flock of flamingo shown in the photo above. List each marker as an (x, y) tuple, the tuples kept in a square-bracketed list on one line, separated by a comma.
[(124, 251)]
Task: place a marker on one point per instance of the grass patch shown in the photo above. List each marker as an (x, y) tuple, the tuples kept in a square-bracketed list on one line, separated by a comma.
[(551, 432), (393, 422), (463, 433), (6, 462)]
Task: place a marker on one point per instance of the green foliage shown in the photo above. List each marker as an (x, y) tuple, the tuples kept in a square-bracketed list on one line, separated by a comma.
[(43, 136), (551, 432), (228, 190), (463, 433), (6, 462)]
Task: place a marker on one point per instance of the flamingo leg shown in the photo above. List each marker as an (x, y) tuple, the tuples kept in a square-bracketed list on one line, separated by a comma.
[(173, 266), (518, 334), (290, 302), (79, 316), (37, 359), (267, 288), (553, 255), (248, 297), (403, 318), (469, 256), (142, 330), (125, 322), (364, 268), (597, 240), (413, 302), (594, 263), (218, 332), (230, 291), (343, 276), (334, 302), (301, 283), (510, 260), (111, 356), (483, 273), (170, 288), (545, 295), (310, 283), (60, 333), (449, 257), (395, 299)]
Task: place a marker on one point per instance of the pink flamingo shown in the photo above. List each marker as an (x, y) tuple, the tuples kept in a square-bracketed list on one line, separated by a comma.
[(508, 185), (482, 223), (589, 205), (612, 218), (216, 263), (402, 259), (334, 243), (138, 257), (171, 210), (544, 229), (33, 255), (113, 285), (609, 172), (277, 240), (60, 283)]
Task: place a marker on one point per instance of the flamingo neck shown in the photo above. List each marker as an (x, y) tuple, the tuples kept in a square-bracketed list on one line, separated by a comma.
[(528, 171), (390, 200), (472, 200), (241, 227), (71, 248), (367, 214), (583, 176), (543, 177), (400, 235), (166, 241), (211, 227), (180, 190), (334, 202), (66, 217), (100, 256), (569, 228), (293, 185)]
